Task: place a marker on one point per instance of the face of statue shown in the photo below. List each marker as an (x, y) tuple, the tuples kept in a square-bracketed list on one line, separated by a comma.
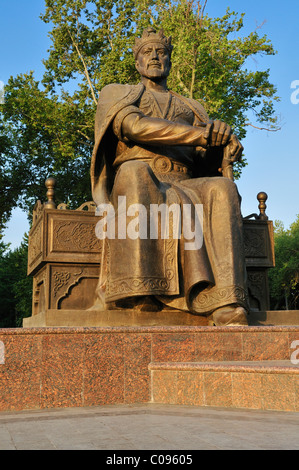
[(153, 61)]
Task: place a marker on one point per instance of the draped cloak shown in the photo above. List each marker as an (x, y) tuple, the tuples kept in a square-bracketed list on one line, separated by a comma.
[(198, 280)]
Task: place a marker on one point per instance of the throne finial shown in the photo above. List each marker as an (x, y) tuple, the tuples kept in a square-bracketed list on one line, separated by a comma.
[(262, 198), (50, 184)]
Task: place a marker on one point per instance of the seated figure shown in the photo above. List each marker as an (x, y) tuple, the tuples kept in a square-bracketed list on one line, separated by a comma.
[(155, 148)]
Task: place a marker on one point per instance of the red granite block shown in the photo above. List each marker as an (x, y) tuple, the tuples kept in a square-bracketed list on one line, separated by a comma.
[(175, 347), (62, 370), (19, 390), (20, 372), (231, 346), (218, 346), (208, 346), (278, 392), (164, 388), (218, 389), (137, 356), (104, 369), (21, 350), (247, 390), (264, 346), (190, 390)]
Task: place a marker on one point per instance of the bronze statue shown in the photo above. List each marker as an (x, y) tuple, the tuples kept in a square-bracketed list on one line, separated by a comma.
[(155, 147)]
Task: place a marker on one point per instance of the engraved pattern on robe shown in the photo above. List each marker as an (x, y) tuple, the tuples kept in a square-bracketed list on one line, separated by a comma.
[(195, 280)]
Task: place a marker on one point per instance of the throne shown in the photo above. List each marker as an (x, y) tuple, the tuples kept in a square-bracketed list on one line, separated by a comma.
[(64, 259)]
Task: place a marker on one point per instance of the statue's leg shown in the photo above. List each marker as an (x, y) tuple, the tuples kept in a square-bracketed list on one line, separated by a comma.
[(136, 264), (123, 257), (225, 301)]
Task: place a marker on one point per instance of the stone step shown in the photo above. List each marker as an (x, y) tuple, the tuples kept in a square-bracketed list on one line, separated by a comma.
[(65, 367), (131, 318), (274, 317), (265, 385), (206, 344)]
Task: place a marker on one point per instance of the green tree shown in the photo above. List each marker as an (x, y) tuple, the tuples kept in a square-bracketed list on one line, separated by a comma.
[(43, 136), (47, 127), (210, 62), (15, 286), (284, 278), (10, 175)]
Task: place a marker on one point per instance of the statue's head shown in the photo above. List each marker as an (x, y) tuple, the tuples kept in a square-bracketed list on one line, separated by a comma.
[(152, 54)]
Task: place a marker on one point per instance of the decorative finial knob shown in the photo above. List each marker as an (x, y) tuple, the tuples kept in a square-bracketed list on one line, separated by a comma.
[(50, 184), (262, 198)]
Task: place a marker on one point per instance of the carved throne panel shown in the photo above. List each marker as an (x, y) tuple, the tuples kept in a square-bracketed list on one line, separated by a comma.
[(65, 254)]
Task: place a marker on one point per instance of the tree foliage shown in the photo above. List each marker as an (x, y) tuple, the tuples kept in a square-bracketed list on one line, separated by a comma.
[(15, 286), (44, 137), (284, 278), (210, 65)]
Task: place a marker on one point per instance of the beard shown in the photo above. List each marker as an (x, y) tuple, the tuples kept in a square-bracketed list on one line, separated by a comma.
[(154, 71)]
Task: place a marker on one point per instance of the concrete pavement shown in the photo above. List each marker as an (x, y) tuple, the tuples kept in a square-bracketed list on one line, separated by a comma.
[(149, 427)]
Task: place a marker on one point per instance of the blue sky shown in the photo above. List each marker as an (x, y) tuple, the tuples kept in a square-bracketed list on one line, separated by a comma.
[(273, 163)]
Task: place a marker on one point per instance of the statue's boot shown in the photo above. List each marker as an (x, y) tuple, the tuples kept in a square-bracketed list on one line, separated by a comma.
[(140, 304), (148, 304), (231, 315)]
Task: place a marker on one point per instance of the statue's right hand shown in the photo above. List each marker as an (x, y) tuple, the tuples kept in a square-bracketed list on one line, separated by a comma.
[(221, 134)]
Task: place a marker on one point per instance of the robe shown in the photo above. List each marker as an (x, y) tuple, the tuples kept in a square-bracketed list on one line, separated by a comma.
[(154, 160)]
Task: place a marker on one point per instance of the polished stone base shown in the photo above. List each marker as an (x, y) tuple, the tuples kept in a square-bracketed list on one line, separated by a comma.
[(94, 318), (252, 367), (274, 317), (268, 385)]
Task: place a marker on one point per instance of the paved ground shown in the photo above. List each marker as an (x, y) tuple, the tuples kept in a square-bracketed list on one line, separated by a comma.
[(148, 427)]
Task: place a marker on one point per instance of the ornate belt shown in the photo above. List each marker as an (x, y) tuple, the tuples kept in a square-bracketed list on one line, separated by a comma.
[(165, 165)]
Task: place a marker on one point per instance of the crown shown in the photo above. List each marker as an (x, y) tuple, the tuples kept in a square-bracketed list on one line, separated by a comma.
[(150, 35)]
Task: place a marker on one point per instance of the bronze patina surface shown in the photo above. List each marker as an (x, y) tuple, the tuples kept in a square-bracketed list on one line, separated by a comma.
[(64, 258), (153, 146)]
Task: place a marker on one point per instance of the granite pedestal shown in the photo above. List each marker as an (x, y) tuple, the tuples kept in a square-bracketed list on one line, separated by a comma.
[(68, 355), (241, 367)]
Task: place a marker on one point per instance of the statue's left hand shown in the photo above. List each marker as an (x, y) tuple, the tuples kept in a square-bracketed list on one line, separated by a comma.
[(232, 153), (233, 149), (221, 135)]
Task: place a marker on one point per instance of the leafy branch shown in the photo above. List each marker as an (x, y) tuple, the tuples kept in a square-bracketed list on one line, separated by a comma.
[(84, 65)]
